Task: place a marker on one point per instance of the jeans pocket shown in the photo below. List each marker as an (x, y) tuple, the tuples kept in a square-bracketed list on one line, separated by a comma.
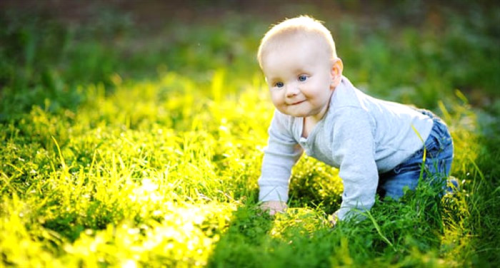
[(439, 140), (433, 144)]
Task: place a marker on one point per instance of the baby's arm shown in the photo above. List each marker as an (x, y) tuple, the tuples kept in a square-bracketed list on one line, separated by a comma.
[(354, 149), (280, 155)]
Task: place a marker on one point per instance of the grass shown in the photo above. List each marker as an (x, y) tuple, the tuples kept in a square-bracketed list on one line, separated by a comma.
[(119, 154)]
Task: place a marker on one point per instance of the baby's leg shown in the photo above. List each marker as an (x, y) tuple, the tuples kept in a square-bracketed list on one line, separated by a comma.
[(439, 156), (406, 175)]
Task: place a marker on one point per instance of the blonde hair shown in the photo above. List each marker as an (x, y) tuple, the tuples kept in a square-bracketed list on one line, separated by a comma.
[(298, 28)]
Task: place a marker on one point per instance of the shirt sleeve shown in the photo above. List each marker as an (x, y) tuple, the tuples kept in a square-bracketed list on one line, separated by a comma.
[(354, 149), (280, 155)]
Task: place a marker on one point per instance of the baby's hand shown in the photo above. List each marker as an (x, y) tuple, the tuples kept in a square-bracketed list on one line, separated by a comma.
[(333, 219), (274, 207)]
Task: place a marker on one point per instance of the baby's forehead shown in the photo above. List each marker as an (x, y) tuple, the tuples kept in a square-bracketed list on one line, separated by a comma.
[(294, 59)]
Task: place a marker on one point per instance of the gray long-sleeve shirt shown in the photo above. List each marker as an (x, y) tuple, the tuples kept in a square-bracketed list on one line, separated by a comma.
[(361, 135)]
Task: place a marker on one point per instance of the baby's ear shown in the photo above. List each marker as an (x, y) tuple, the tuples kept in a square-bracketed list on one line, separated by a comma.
[(336, 72)]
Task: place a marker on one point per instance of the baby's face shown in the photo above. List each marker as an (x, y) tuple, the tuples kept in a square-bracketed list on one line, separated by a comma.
[(300, 79)]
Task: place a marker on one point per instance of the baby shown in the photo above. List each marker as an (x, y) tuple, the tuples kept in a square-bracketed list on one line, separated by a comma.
[(378, 146)]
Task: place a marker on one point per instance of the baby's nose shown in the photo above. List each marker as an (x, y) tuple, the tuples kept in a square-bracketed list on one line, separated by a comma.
[(292, 90)]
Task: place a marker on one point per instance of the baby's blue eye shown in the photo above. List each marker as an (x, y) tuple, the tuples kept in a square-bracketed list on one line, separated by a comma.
[(302, 78), (279, 84)]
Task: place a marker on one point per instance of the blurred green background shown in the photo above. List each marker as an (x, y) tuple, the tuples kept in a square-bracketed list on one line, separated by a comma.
[(410, 51)]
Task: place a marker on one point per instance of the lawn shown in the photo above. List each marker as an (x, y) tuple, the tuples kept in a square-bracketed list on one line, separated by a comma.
[(130, 143)]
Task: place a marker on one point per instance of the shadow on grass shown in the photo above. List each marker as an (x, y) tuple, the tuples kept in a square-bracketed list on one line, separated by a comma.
[(298, 238), (483, 221), (242, 245)]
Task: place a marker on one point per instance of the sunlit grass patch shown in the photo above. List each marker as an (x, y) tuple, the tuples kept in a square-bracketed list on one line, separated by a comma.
[(180, 235), (120, 175)]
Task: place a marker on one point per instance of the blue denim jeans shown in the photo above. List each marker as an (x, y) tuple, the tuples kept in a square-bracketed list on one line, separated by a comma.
[(439, 155)]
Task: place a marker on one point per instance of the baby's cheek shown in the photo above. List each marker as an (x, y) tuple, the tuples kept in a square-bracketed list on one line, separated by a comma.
[(276, 100)]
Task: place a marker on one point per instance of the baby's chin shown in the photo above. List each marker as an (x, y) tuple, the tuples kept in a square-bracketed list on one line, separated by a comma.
[(295, 113)]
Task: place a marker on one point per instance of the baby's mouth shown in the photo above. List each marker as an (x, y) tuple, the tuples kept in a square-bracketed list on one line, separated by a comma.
[(297, 102)]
